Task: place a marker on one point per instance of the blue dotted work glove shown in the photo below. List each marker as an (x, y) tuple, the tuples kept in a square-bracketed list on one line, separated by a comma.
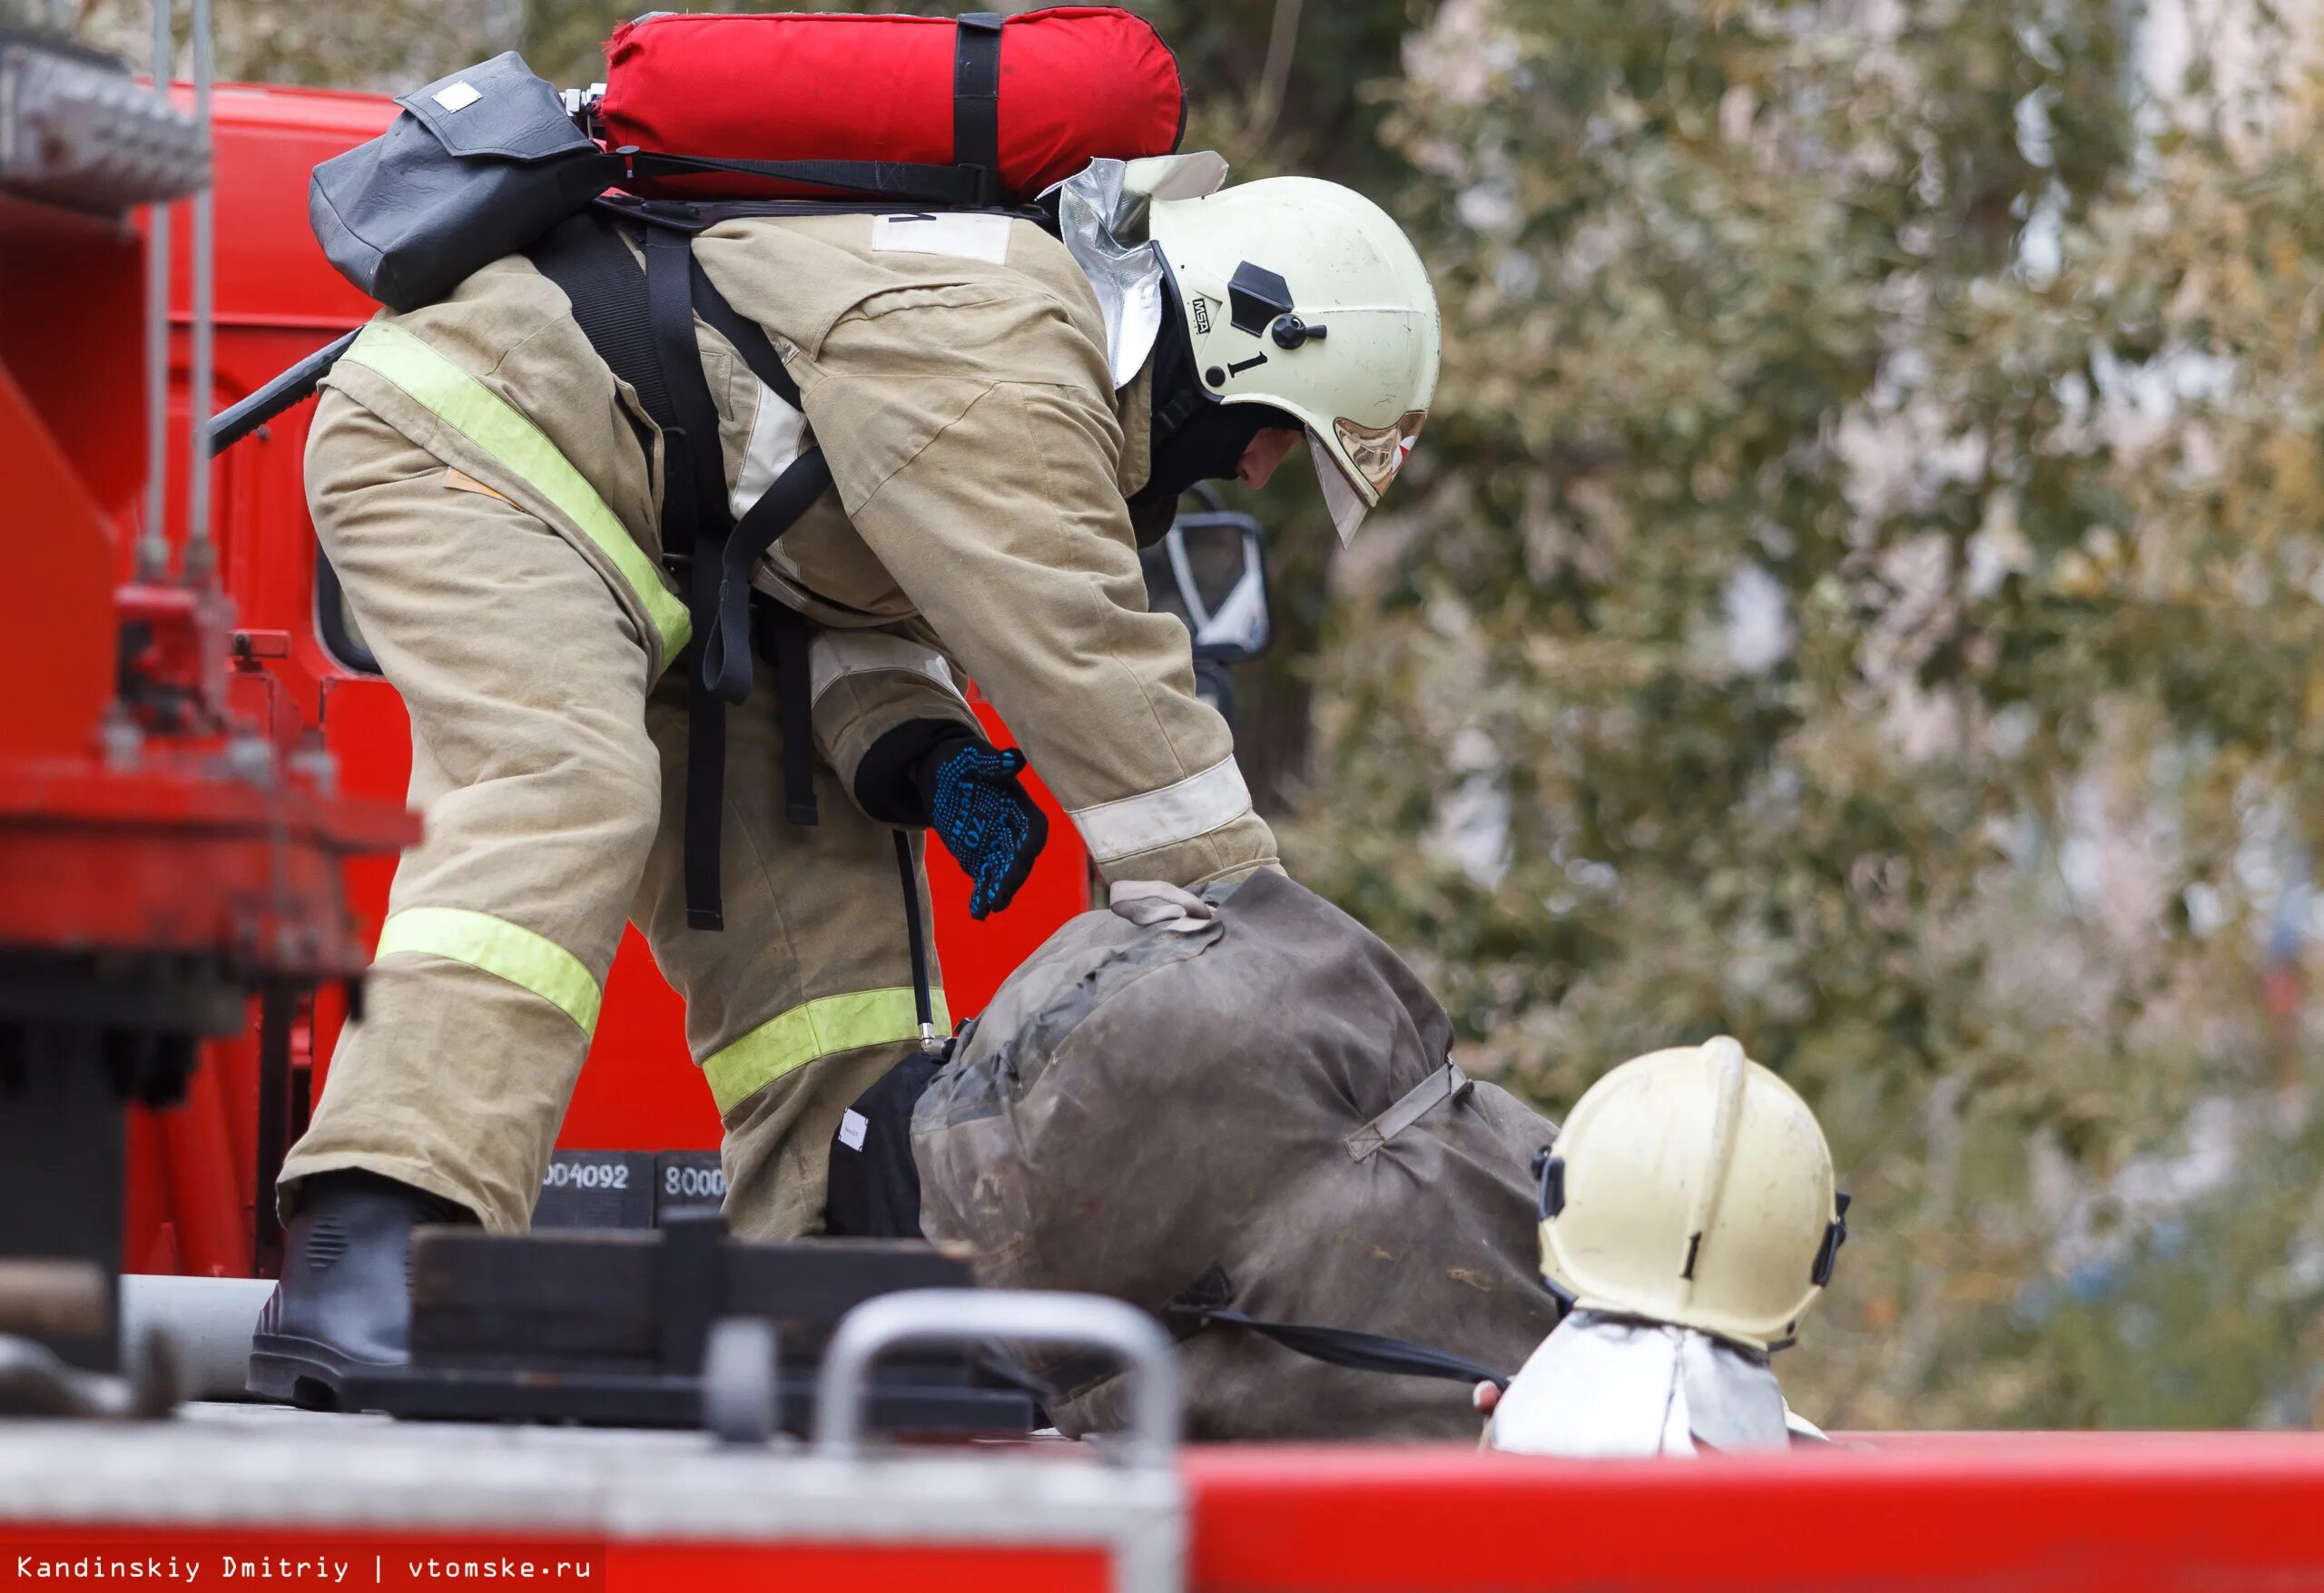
[(986, 819)]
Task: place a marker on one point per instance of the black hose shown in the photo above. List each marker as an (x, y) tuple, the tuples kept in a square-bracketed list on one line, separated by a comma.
[(916, 934), (237, 421)]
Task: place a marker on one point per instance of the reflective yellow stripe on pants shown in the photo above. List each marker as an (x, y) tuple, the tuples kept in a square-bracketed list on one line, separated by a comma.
[(485, 419), (813, 1030), (529, 961)]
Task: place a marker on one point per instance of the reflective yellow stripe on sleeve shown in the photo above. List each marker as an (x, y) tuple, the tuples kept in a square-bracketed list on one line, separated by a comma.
[(807, 1033), (529, 961), (492, 424)]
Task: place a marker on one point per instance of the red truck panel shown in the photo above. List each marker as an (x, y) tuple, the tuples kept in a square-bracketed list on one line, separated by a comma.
[(1998, 1511)]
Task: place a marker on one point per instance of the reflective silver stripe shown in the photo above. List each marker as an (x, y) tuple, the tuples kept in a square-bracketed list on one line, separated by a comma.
[(776, 432), (833, 655), (1195, 806)]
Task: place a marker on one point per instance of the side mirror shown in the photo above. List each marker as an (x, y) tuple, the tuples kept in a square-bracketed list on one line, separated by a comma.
[(1210, 570)]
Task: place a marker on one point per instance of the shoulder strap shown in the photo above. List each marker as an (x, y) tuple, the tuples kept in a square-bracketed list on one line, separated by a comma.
[(587, 258), (784, 632)]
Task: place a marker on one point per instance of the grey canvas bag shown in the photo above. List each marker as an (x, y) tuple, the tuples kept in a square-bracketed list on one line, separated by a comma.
[(478, 165), (1254, 1118)]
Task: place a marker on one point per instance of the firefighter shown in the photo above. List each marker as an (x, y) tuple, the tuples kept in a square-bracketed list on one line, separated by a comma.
[(1003, 418), (1688, 1222)]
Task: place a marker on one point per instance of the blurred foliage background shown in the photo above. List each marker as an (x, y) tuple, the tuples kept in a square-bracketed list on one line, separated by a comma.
[(1858, 591)]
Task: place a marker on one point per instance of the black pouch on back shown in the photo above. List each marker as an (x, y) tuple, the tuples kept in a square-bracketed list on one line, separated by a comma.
[(480, 164), (874, 1189)]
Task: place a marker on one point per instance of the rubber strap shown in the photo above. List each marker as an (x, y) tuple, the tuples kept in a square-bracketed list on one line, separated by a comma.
[(1203, 1303), (976, 102)]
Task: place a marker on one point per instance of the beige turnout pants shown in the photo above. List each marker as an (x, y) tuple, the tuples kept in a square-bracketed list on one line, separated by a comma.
[(551, 770)]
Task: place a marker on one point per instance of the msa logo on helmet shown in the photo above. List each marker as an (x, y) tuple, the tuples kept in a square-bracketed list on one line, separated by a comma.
[(1201, 308)]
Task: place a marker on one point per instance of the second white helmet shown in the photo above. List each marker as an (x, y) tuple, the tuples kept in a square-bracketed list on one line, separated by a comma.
[(1306, 296), (1693, 1187)]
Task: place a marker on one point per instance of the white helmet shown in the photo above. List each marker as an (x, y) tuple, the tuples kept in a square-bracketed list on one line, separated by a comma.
[(1306, 296), (1693, 1187)]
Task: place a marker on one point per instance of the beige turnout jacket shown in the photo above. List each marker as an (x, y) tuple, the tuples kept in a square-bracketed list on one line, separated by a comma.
[(952, 370)]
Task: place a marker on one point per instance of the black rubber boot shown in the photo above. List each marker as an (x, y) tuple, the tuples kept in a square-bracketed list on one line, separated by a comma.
[(344, 1301)]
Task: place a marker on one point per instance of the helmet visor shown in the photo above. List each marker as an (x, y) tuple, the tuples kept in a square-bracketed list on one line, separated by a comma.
[(1345, 504), (1378, 452), (1365, 462)]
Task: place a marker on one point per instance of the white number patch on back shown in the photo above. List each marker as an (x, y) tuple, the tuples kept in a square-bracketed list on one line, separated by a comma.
[(967, 237)]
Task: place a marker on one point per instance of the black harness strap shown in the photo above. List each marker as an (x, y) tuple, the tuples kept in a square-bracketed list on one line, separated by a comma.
[(786, 637), (726, 650), (587, 258), (727, 646), (694, 481), (748, 338), (644, 331), (976, 102)]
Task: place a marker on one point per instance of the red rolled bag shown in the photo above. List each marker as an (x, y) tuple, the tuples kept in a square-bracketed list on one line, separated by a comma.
[(1071, 84)]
